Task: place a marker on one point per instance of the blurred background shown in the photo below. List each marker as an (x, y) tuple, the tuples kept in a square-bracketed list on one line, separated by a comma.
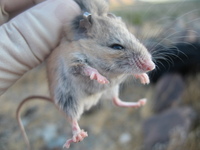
[(169, 121)]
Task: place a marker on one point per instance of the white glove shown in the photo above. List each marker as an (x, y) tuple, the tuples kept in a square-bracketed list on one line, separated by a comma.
[(27, 39)]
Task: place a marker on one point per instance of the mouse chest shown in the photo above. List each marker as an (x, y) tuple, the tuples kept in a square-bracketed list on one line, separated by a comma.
[(92, 87)]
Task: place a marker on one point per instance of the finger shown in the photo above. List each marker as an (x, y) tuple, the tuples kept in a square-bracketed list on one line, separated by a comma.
[(4, 16), (15, 5)]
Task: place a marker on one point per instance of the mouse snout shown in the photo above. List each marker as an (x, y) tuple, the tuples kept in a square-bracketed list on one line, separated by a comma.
[(147, 65)]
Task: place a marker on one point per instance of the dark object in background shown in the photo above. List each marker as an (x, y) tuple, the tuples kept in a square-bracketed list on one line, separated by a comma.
[(182, 58), (158, 129), (168, 92)]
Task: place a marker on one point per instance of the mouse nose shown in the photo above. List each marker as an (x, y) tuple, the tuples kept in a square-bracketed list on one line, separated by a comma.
[(147, 65)]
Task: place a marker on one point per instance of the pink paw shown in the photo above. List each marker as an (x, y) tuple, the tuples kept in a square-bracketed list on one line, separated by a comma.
[(144, 78), (142, 102), (96, 76), (77, 137)]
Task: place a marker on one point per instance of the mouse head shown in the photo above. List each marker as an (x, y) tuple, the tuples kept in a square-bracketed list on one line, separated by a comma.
[(109, 45)]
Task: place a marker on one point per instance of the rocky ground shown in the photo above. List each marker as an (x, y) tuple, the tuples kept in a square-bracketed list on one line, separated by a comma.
[(169, 121)]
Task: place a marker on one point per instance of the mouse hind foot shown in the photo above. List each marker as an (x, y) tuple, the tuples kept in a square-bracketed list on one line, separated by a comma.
[(121, 103), (78, 135)]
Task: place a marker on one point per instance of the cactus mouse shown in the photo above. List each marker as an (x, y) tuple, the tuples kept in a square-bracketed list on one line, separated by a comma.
[(96, 54)]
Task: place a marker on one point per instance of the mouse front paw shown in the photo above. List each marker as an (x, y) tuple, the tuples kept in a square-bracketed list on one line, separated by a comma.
[(144, 78), (95, 75), (142, 102), (77, 137)]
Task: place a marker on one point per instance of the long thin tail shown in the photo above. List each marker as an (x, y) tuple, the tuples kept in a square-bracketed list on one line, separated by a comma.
[(19, 118)]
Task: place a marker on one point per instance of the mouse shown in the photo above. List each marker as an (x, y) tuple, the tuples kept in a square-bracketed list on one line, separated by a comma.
[(96, 54)]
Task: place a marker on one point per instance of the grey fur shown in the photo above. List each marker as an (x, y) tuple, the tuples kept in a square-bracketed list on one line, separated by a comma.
[(98, 7), (65, 93), (84, 46)]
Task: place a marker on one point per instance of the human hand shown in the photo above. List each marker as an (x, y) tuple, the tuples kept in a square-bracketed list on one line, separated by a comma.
[(27, 39), (10, 8)]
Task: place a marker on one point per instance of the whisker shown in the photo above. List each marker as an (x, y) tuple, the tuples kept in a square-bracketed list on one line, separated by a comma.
[(169, 10)]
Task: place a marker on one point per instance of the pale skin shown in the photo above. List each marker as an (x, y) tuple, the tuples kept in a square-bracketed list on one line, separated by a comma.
[(93, 74)]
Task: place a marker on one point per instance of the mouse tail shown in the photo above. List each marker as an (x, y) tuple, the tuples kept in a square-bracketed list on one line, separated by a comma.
[(19, 117)]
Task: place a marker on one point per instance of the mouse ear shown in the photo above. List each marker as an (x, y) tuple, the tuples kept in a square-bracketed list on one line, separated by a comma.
[(79, 27), (111, 15), (86, 22)]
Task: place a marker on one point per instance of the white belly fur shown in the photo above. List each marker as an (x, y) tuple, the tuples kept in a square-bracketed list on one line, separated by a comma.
[(91, 100)]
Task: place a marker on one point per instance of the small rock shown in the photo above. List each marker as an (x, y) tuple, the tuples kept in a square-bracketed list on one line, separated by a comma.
[(168, 92), (49, 133), (125, 138), (50, 136), (158, 129)]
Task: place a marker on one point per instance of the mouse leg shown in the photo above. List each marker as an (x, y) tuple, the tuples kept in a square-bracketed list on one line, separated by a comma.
[(144, 78), (95, 75), (78, 134), (81, 67), (118, 102), (66, 98)]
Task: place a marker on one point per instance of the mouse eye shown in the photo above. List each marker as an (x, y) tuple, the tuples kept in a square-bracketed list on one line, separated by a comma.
[(117, 47)]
